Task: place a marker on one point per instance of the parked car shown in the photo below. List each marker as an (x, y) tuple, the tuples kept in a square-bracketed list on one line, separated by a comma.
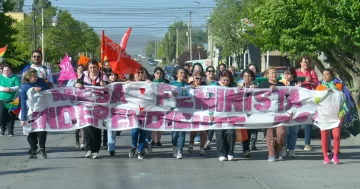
[(152, 62)]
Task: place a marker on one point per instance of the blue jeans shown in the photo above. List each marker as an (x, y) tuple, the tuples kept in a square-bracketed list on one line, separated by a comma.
[(308, 129), (178, 139), (138, 135), (148, 137), (291, 136), (111, 140)]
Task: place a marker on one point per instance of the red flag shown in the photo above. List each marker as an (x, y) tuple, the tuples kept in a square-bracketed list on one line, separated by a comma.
[(120, 61), (125, 39)]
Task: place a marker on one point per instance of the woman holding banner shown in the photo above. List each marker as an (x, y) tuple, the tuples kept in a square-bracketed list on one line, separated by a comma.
[(9, 88), (248, 78), (138, 136), (159, 77), (225, 138), (272, 83), (311, 81), (330, 84), (291, 131), (92, 77), (197, 81), (79, 133), (32, 81), (210, 79), (178, 137)]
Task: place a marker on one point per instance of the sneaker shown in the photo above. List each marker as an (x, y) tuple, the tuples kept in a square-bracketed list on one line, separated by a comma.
[(77, 145), (291, 154), (190, 148), (280, 158), (207, 145), (272, 159), (230, 157), (29, 152), (132, 152), (88, 154), (329, 152), (158, 144), (112, 153), (95, 156), (43, 153), (326, 160), (10, 135), (253, 147), (152, 143), (247, 154), (222, 158), (197, 140), (149, 148), (175, 151), (32, 156), (82, 147), (179, 155), (202, 152), (141, 155), (335, 160), (283, 152), (307, 147)]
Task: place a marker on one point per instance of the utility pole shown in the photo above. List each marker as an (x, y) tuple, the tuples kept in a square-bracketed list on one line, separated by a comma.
[(177, 43), (155, 48), (190, 41), (169, 50), (34, 24), (42, 36)]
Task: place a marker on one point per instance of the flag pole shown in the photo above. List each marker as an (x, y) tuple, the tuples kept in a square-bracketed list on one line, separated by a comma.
[(102, 56)]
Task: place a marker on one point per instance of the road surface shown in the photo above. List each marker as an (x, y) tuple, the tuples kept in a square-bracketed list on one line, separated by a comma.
[(66, 167)]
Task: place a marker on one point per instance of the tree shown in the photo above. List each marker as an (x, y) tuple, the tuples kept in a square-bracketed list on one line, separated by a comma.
[(167, 45), (67, 35), (312, 27), (7, 31), (227, 28), (196, 50), (18, 5)]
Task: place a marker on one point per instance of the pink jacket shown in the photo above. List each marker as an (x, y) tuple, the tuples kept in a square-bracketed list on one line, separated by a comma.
[(314, 79)]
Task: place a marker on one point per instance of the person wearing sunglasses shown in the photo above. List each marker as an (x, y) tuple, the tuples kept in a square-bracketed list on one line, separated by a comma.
[(197, 81), (36, 63), (210, 79)]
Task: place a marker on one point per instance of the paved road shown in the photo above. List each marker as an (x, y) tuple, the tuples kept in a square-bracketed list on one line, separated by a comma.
[(66, 167), (149, 68)]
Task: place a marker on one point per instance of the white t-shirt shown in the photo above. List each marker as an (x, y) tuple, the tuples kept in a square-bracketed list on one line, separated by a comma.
[(42, 71)]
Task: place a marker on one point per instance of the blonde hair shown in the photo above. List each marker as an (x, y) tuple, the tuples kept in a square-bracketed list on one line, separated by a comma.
[(267, 71), (31, 72)]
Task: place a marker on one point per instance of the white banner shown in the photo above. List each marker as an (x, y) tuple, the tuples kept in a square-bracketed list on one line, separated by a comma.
[(120, 106)]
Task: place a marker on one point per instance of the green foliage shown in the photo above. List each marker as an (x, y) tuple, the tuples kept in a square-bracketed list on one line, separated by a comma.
[(305, 26), (166, 48), (67, 35), (227, 28)]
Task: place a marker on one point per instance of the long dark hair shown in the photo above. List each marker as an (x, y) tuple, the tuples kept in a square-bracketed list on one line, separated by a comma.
[(292, 71), (227, 73), (176, 71), (197, 64)]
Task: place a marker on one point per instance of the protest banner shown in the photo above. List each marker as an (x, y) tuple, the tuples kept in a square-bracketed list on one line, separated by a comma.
[(120, 106)]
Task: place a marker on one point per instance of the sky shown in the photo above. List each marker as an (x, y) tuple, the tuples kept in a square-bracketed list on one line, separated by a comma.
[(150, 18)]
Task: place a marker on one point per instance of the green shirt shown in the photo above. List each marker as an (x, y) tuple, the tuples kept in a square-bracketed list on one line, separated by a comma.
[(11, 81)]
